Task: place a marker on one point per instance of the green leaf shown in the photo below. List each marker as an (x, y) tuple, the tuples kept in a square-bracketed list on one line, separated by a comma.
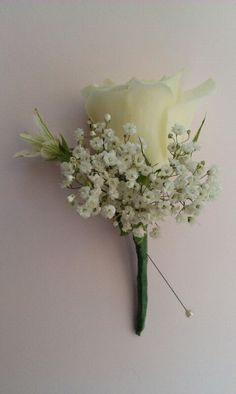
[(50, 151), (62, 157), (32, 139), (42, 125), (195, 138), (145, 157), (64, 144), (143, 180), (26, 153)]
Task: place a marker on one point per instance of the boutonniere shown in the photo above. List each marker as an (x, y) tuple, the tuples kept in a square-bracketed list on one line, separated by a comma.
[(134, 164)]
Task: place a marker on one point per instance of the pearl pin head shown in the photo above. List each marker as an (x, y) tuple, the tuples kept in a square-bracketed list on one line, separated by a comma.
[(189, 313)]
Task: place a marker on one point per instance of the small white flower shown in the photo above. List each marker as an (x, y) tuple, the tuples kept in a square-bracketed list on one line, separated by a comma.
[(130, 184), (139, 202), (110, 158), (122, 166), (98, 163), (171, 147), (109, 133), (148, 196), (127, 160), (84, 211), (139, 160), (126, 227), (107, 118), (69, 178), (165, 206), (96, 143), (111, 143), (213, 171), (128, 196), (190, 147), (113, 193), (71, 199), (79, 133), (166, 170), (139, 232), (96, 192), (128, 212), (137, 187), (190, 165), (155, 232), (169, 186), (85, 192), (85, 167), (129, 129), (108, 211), (96, 211), (178, 129), (181, 218), (67, 181), (77, 151), (146, 170), (130, 148), (131, 174), (153, 177), (92, 204), (181, 170), (97, 180), (144, 217), (99, 127), (67, 168), (113, 182), (213, 190)]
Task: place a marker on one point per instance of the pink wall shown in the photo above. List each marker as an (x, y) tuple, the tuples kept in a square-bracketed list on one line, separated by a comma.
[(66, 285)]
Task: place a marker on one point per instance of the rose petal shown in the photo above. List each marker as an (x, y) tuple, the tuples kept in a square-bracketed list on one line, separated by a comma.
[(183, 112), (173, 83)]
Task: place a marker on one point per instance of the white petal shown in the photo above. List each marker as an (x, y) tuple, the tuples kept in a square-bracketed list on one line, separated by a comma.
[(139, 103), (183, 112), (173, 83), (200, 91)]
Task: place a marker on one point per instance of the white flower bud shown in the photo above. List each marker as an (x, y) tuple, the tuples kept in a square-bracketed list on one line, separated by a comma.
[(178, 129), (129, 129), (107, 118), (108, 211), (139, 232), (71, 199)]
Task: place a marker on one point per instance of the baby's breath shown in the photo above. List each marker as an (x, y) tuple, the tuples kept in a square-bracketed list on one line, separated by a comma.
[(114, 178)]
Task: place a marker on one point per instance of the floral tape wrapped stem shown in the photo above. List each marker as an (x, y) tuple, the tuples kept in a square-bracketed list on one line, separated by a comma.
[(142, 283)]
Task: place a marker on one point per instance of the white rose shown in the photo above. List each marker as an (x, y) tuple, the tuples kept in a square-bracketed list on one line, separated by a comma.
[(153, 106)]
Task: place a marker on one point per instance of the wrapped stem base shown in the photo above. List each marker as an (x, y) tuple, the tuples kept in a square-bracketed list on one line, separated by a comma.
[(142, 283)]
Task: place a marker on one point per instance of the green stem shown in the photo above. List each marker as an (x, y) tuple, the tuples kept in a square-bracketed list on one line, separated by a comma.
[(141, 251)]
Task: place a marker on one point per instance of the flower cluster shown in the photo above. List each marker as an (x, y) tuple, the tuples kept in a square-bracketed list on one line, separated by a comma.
[(113, 177)]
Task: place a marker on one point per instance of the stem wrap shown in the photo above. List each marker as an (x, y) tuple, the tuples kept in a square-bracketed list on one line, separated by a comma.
[(141, 251)]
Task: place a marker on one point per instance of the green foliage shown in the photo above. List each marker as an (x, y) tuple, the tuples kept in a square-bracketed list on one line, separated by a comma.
[(45, 144), (195, 138)]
